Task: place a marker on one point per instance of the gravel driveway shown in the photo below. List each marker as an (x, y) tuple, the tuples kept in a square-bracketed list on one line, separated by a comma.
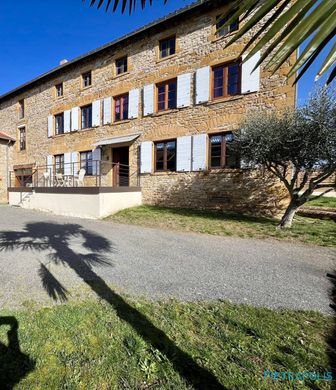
[(44, 256)]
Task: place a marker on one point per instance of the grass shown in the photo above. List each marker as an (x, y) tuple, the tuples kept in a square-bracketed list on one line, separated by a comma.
[(87, 346), (307, 230), (322, 202)]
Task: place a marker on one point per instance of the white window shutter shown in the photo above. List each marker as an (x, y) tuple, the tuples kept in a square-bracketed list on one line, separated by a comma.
[(50, 167), (148, 92), (183, 153), (133, 101), (250, 81), (146, 157), (74, 163), (67, 164), (75, 119), (202, 84), (67, 121), (183, 90), (96, 113), (96, 157), (107, 110), (199, 152), (50, 125)]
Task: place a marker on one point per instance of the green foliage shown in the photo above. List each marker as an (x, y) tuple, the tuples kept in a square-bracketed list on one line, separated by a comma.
[(315, 231), (86, 345)]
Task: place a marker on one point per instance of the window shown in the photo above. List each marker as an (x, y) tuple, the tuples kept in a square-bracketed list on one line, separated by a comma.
[(222, 154), (22, 136), (220, 21), (86, 116), (24, 177), (167, 47), (165, 156), (121, 107), (59, 124), (59, 90), (166, 95), (59, 163), (86, 162), (87, 79), (121, 65), (21, 109), (226, 80)]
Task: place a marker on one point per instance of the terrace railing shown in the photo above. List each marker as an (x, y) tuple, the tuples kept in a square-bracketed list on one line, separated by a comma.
[(97, 174)]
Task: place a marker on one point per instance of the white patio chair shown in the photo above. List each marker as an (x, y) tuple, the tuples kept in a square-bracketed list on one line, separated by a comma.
[(59, 180), (79, 179), (46, 177)]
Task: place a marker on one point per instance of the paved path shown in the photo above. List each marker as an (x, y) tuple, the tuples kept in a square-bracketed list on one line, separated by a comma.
[(61, 252)]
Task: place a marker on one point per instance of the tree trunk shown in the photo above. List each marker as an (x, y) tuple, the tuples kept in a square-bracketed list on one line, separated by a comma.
[(287, 219)]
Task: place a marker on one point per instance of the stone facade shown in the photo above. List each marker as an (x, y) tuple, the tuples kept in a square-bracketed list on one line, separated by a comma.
[(196, 47)]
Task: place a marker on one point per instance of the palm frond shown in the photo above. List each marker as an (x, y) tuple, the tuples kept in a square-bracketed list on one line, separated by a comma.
[(124, 4)]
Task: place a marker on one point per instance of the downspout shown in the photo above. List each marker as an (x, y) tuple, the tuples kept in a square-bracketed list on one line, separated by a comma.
[(7, 167)]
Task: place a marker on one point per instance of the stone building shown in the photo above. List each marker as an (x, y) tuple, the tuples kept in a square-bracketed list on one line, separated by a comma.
[(159, 104)]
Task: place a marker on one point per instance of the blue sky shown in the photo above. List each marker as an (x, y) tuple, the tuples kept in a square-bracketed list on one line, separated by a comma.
[(37, 34)]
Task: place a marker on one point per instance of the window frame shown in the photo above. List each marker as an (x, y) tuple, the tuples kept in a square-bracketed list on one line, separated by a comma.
[(85, 166), (165, 160), (81, 116), (55, 118), (223, 156), (170, 38), (225, 67), (166, 100), (121, 97), (57, 86), (88, 73), (234, 26), (22, 140), (117, 67), (61, 165)]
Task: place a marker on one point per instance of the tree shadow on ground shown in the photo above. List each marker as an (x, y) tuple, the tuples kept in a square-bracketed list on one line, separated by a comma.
[(14, 364), (60, 240)]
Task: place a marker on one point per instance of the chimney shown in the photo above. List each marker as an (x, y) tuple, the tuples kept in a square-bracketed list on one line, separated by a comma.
[(62, 62)]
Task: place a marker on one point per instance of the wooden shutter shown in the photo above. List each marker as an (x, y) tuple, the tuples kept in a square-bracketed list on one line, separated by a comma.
[(199, 152), (146, 157), (50, 166), (133, 108), (75, 119), (107, 110), (67, 121), (202, 84), (183, 153), (183, 90), (96, 113), (96, 157), (50, 125), (250, 81), (67, 164), (74, 161), (148, 92)]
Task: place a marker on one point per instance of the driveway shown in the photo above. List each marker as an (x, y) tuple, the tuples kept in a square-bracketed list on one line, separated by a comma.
[(46, 258)]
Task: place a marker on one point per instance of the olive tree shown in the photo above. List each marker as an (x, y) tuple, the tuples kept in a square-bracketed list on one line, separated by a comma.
[(298, 146)]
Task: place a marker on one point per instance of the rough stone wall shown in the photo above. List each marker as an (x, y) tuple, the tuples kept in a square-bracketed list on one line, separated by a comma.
[(5, 153), (196, 47)]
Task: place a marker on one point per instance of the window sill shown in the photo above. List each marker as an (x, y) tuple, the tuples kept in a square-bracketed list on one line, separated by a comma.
[(85, 88), (225, 99), (120, 122), (166, 58), (118, 76), (58, 135), (225, 169), (164, 173), (165, 112), (216, 38)]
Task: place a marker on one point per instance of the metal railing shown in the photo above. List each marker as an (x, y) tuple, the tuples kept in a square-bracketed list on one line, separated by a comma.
[(97, 173)]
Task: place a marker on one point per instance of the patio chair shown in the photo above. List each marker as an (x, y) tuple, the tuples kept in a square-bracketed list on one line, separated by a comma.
[(46, 177), (59, 180), (79, 179)]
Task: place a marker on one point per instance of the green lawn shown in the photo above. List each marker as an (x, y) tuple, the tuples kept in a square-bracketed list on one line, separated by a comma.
[(322, 202), (309, 230), (88, 346)]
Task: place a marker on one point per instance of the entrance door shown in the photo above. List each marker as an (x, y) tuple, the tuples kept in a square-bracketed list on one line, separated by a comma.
[(120, 158)]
